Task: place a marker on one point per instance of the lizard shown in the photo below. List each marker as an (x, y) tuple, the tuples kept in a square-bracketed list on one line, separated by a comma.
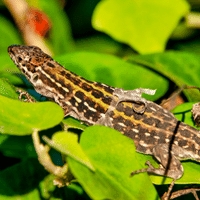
[(154, 130)]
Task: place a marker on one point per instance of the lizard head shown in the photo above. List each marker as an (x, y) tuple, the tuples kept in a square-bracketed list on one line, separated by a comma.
[(28, 59), (45, 74)]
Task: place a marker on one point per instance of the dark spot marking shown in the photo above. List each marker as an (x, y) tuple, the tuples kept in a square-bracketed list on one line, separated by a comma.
[(162, 138), (90, 103), (192, 147), (118, 127), (53, 76), (62, 91), (150, 139), (90, 114), (79, 95), (109, 89), (69, 87), (97, 84), (161, 124), (195, 138), (127, 110), (137, 116), (64, 73), (166, 126), (97, 94), (23, 70), (19, 59), (100, 109), (50, 65), (120, 107), (47, 57), (30, 67), (185, 133), (128, 123), (81, 107), (150, 121), (86, 87), (72, 101), (106, 100), (118, 119), (182, 143), (76, 81)]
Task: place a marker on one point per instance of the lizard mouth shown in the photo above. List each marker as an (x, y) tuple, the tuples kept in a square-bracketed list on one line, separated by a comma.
[(12, 54)]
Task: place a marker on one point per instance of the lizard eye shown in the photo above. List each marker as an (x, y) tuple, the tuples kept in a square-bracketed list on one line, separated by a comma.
[(35, 78)]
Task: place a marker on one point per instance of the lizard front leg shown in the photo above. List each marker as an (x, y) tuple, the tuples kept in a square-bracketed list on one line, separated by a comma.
[(28, 97)]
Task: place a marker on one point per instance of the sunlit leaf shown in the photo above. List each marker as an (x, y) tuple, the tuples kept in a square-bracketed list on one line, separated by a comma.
[(144, 25), (21, 118)]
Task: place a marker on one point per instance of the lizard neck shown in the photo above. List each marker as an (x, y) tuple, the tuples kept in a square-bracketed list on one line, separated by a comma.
[(83, 99)]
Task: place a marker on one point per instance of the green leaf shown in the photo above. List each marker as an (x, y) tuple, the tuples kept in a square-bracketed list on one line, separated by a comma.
[(67, 143), (114, 158), (192, 46), (3, 138), (114, 71), (99, 44), (28, 180), (73, 123), (180, 67), (17, 147), (144, 25), (8, 90), (8, 69), (21, 181), (183, 113), (21, 118)]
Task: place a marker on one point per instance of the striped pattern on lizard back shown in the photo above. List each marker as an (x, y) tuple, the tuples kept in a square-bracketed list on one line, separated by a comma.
[(88, 101)]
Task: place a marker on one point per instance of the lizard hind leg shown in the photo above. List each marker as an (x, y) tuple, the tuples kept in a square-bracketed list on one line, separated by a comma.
[(170, 165)]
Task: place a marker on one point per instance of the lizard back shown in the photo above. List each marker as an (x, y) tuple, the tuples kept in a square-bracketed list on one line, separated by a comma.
[(88, 101)]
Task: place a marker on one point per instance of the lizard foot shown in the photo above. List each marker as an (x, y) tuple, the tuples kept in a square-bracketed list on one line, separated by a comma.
[(149, 169), (28, 97)]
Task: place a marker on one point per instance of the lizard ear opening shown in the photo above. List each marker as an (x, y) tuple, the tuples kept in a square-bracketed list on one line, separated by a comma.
[(35, 78)]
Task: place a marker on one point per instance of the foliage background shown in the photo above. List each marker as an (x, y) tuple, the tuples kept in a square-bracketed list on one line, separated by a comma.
[(127, 44)]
